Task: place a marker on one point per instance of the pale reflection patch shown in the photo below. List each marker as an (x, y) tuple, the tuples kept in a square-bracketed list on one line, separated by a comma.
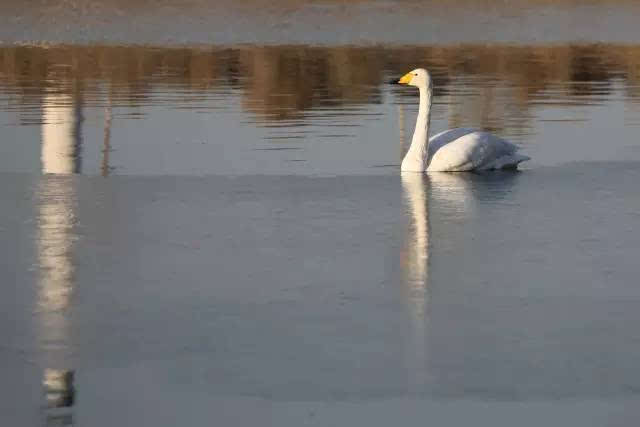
[(415, 265), (451, 192), (413, 185), (56, 237), (55, 243), (60, 143), (60, 134)]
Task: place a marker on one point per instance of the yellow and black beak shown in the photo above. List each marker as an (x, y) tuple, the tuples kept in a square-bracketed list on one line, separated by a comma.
[(406, 79)]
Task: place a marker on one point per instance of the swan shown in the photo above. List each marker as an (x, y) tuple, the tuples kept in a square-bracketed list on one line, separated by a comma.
[(454, 150)]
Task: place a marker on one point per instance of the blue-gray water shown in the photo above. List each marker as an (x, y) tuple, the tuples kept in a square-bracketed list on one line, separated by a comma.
[(167, 295), (221, 234)]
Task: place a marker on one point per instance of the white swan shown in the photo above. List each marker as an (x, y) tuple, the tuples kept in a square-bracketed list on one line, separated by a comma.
[(454, 150)]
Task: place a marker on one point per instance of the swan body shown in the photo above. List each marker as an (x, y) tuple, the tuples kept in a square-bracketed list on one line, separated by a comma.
[(454, 150)]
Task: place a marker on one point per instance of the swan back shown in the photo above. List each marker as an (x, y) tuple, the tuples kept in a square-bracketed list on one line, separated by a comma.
[(466, 149)]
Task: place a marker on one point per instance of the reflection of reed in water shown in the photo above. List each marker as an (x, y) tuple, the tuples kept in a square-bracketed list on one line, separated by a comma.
[(314, 76), (57, 201), (105, 169), (279, 82), (283, 81)]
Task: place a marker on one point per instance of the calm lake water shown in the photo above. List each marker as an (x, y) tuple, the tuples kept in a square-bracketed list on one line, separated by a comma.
[(203, 218), (304, 110)]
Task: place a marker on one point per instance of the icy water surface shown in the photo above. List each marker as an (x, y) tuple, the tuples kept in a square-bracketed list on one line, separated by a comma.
[(207, 225)]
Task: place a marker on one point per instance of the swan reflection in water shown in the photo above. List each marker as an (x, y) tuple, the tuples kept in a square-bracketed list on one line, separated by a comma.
[(455, 198), (420, 190)]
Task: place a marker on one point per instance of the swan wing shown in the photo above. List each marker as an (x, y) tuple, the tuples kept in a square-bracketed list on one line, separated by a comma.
[(466, 149)]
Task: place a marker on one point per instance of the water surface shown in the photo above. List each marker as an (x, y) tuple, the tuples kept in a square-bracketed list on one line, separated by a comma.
[(304, 110), (311, 292), (208, 222), (327, 22)]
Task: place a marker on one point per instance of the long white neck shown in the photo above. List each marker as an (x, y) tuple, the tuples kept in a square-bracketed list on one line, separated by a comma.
[(416, 159)]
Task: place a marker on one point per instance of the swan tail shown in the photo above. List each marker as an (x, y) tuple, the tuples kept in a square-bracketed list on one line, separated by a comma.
[(510, 161)]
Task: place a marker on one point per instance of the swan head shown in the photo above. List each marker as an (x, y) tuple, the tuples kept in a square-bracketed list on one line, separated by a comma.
[(418, 77)]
